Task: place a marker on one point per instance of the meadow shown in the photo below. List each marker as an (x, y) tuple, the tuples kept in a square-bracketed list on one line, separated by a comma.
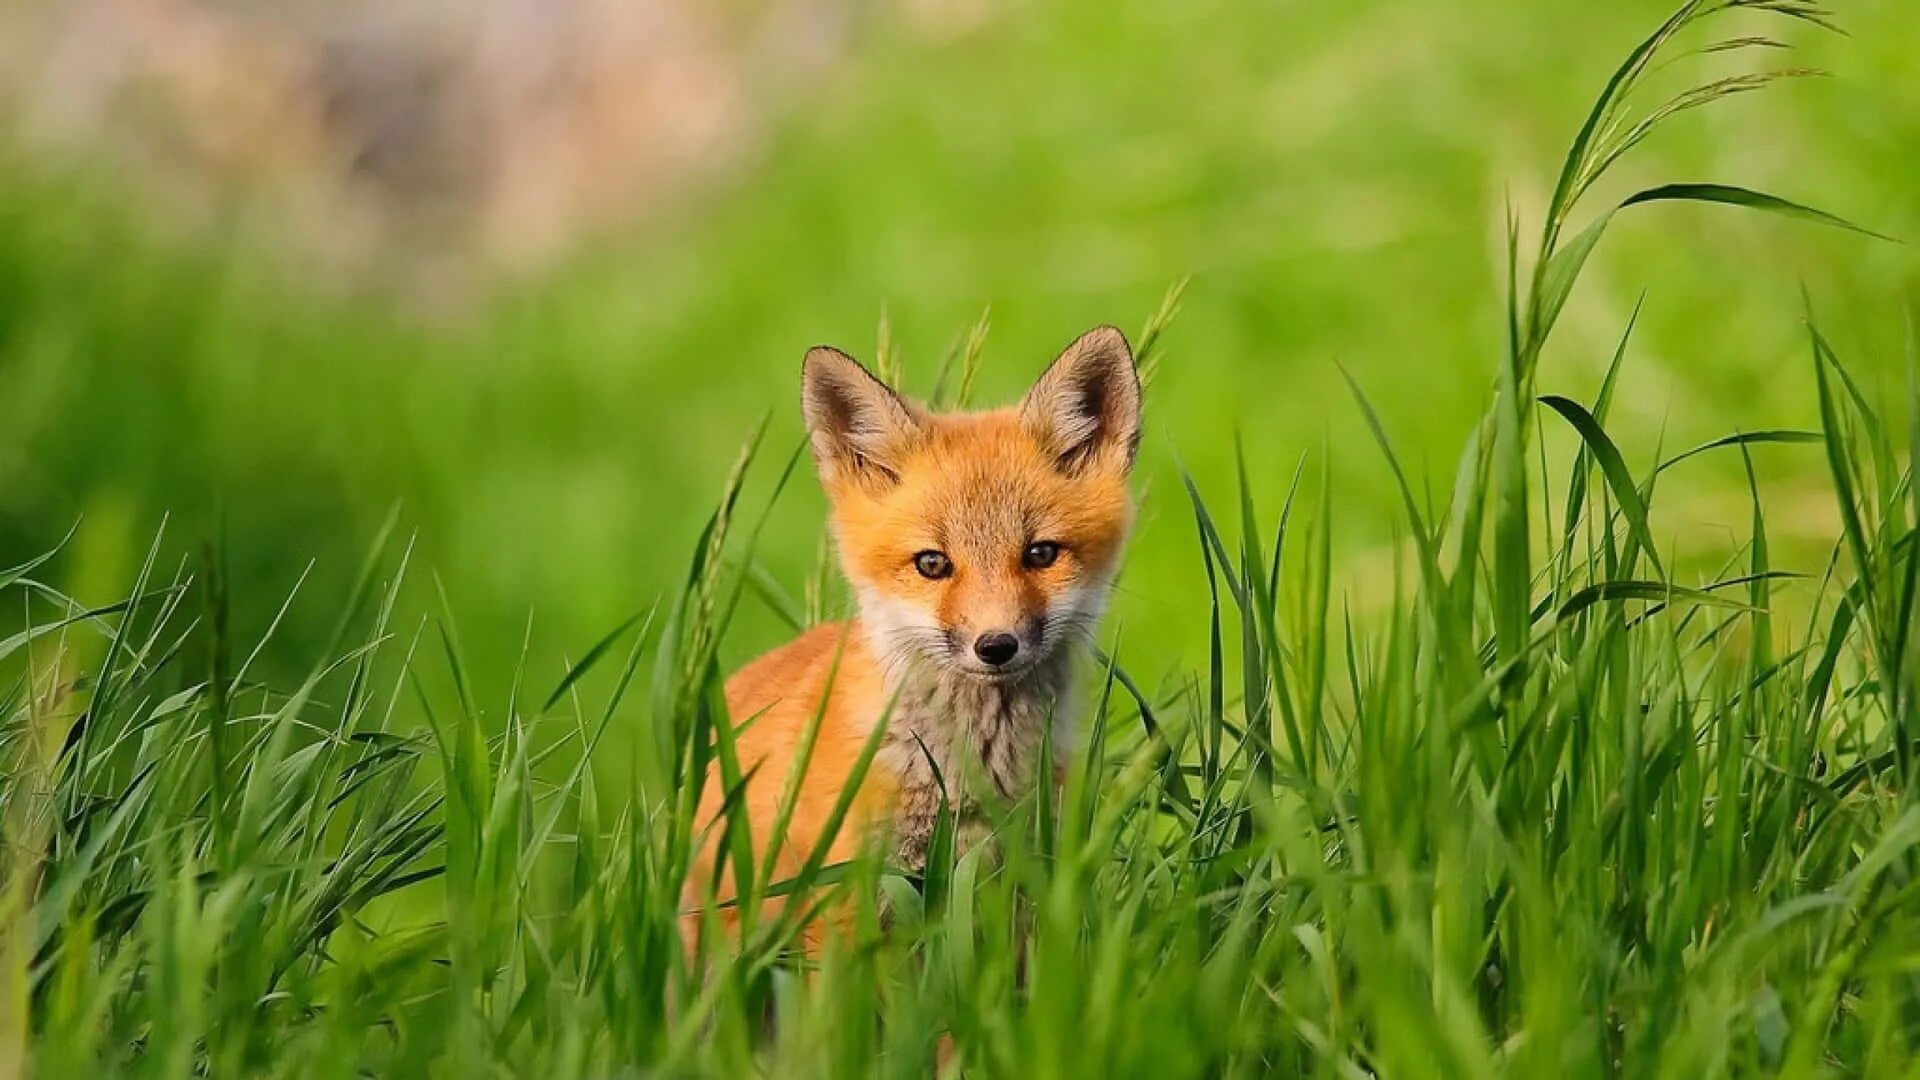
[(1512, 675)]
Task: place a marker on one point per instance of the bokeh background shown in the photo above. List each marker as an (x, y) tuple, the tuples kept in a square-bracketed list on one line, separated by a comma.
[(533, 270)]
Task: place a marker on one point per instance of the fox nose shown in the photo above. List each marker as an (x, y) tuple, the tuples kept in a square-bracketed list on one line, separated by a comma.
[(996, 648)]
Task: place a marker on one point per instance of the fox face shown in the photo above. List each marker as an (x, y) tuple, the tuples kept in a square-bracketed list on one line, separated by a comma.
[(979, 543)]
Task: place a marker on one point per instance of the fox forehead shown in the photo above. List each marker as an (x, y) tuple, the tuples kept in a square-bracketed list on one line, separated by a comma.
[(980, 484)]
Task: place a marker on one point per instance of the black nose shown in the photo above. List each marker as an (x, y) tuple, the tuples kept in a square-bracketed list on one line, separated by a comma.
[(996, 648)]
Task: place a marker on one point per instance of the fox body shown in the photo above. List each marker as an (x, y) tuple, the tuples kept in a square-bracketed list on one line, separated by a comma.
[(980, 547)]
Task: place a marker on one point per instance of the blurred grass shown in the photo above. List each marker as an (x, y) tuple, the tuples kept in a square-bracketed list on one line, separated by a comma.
[(1334, 178)]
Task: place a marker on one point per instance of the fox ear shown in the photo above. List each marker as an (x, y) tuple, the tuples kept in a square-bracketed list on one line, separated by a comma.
[(1086, 408), (858, 426)]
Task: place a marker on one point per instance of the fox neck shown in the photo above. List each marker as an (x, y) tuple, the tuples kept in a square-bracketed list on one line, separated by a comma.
[(972, 725), (971, 740)]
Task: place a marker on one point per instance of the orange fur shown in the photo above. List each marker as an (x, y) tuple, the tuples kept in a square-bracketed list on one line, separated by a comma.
[(774, 699), (980, 490)]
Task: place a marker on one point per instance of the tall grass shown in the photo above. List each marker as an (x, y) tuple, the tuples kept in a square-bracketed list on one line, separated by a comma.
[(1553, 812)]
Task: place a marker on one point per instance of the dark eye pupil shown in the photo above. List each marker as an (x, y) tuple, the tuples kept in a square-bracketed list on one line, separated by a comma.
[(1040, 556), (932, 564)]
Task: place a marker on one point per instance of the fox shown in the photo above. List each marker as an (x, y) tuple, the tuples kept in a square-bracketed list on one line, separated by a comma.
[(981, 548)]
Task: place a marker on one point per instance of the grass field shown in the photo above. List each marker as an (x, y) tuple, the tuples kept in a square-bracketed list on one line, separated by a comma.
[(1460, 720)]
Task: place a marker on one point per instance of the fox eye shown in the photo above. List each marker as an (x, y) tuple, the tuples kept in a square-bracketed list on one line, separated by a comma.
[(1040, 555), (933, 565)]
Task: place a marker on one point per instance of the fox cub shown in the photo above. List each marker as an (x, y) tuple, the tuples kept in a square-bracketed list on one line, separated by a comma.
[(981, 547)]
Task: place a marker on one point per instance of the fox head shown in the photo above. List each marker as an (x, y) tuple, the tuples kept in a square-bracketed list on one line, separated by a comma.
[(979, 542)]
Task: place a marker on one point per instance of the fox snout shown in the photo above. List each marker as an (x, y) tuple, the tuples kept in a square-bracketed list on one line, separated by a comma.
[(1001, 646), (992, 619)]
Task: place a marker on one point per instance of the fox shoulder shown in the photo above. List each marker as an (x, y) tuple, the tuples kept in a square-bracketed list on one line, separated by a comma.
[(782, 672)]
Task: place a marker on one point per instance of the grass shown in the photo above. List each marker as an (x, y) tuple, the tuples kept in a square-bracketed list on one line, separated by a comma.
[(1548, 810)]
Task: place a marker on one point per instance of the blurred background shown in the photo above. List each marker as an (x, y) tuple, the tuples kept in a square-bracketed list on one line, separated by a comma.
[(533, 270)]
